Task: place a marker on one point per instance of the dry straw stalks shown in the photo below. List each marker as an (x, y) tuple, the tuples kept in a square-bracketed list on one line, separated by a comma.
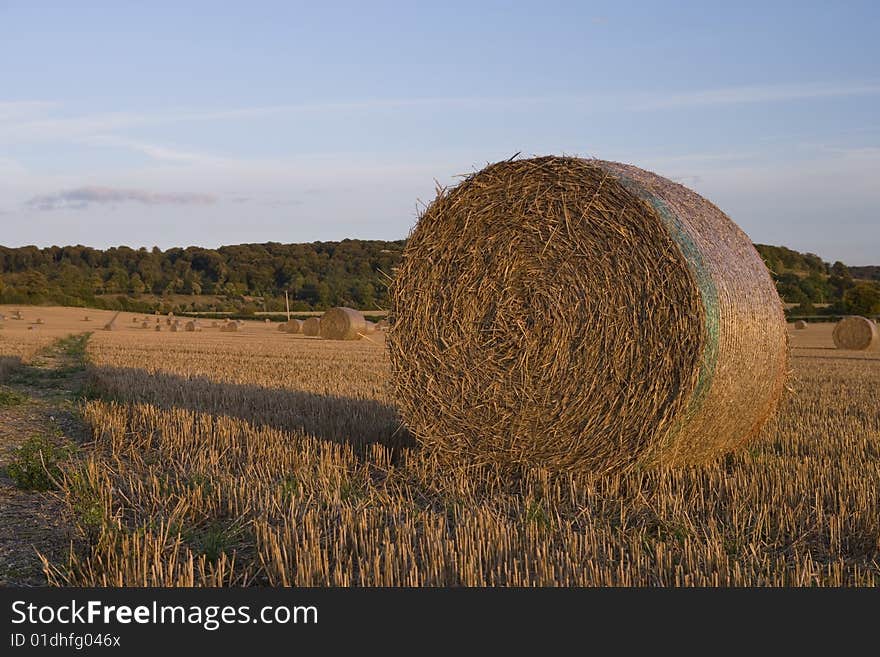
[(582, 314)]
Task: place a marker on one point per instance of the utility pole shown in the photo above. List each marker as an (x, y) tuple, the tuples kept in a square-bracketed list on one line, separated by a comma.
[(287, 301)]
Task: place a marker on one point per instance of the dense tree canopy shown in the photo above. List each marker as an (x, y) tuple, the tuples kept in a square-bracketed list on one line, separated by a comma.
[(316, 275)]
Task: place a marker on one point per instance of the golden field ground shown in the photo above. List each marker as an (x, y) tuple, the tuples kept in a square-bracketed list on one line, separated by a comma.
[(264, 458)]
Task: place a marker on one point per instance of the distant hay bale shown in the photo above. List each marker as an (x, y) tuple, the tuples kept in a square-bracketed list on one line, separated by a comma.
[(135, 320), (193, 326), (856, 333), (111, 325), (158, 327), (291, 326), (87, 319), (16, 314), (267, 321), (215, 324), (369, 327), (311, 326), (582, 315), (800, 324), (39, 321), (230, 327), (343, 324), (145, 324)]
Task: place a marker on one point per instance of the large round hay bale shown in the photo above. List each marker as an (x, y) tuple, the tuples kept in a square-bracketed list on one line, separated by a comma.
[(291, 326), (193, 326), (175, 326), (856, 333), (311, 326), (231, 327), (158, 327), (583, 314), (145, 324), (800, 324), (40, 321), (343, 324)]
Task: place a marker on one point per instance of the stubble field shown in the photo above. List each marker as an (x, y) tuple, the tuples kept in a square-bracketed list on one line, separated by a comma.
[(264, 458)]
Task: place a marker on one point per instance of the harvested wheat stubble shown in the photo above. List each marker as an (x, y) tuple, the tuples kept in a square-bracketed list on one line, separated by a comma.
[(291, 326), (583, 314), (856, 333), (800, 324), (311, 326), (343, 324)]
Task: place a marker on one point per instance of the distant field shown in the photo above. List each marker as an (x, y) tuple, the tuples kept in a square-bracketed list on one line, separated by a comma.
[(264, 458)]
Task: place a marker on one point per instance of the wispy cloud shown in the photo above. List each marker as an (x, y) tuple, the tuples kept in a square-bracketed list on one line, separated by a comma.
[(82, 197), (18, 109), (756, 94)]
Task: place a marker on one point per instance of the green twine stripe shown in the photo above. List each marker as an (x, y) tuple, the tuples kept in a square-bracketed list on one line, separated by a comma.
[(704, 280)]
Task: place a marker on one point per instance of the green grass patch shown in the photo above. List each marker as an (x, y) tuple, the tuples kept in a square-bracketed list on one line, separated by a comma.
[(35, 465), (11, 398)]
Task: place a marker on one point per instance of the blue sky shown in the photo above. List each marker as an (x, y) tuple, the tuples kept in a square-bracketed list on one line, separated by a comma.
[(183, 123)]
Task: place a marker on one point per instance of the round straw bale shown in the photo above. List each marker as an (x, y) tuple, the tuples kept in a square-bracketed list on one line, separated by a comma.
[(856, 333), (193, 326), (230, 327), (145, 324), (175, 326), (39, 321), (87, 319), (291, 326), (800, 324), (583, 314), (158, 327), (369, 327), (215, 324), (311, 326), (343, 324)]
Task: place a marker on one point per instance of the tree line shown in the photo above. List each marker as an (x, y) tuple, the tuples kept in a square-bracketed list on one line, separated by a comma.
[(246, 278)]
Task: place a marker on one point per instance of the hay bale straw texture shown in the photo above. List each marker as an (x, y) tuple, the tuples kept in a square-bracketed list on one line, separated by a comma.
[(856, 333), (343, 324), (311, 326), (800, 324), (583, 315)]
